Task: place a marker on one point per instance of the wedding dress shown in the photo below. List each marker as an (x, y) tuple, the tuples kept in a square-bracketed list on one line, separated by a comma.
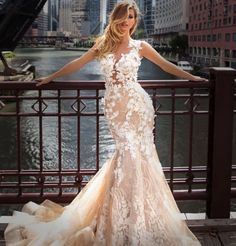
[(128, 202)]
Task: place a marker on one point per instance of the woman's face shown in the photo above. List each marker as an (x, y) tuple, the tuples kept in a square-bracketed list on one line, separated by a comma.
[(129, 22)]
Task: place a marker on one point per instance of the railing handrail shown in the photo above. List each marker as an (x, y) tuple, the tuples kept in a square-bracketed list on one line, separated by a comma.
[(99, 84), (220, 89)]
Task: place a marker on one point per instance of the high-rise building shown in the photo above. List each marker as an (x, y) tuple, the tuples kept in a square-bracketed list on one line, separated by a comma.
[(53, 15), (40, 25), (65, 18), (170, 18), (103, 14), (94, 9), (80, 18), (148, 11), (42, 21), (212, 32), (110, 5)]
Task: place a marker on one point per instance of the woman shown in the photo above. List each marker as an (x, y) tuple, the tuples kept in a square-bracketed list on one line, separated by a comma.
[(128, 202)]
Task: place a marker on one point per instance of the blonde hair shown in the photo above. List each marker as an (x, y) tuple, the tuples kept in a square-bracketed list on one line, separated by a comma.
[(112, 36)]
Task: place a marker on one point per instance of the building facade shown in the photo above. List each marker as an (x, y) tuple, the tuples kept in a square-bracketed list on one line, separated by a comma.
[(94, 10), (80, 18), (65, 19), (170, 18), (53, 15), (40, 25), (147, 8), (212, 32)]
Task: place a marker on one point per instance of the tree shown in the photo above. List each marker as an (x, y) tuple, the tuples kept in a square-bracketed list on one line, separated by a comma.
[(179, 44)]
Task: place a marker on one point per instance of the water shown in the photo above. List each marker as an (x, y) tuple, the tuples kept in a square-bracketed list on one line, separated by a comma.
[(48, 61)]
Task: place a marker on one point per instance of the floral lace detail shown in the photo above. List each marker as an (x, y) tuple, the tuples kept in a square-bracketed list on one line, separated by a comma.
[(124, 70), (134, 211)]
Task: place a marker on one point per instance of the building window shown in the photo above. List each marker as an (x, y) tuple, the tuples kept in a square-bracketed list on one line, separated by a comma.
[(234, 53), (234, 8), (199, 38), (204, 51), (214, 37), (227, 37), (227, 53), (199, 51), (203, 38), (214, 52), (208, 38), (208, 51), (234, 36)]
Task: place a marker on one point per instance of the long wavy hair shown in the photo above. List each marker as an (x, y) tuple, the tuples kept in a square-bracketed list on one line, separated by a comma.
[(112, 36)]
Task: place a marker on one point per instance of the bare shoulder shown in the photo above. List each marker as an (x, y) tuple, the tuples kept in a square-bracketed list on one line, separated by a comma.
[(145, 48)]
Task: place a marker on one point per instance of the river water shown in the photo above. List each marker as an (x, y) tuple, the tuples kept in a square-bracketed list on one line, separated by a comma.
[(48, 60)]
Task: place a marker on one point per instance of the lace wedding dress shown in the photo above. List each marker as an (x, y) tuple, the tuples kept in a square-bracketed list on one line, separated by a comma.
[(128, 202)]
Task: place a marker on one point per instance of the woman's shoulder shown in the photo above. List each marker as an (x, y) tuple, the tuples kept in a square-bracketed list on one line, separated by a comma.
[(140, 43)]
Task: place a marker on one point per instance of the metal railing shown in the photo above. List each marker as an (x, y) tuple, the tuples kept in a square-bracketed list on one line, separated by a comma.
[(212, 181)]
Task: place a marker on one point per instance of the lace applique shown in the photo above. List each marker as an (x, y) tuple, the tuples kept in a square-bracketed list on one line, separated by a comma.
[(124, 69)]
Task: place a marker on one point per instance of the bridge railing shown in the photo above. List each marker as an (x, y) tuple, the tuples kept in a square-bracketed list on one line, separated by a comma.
[(195, 118)]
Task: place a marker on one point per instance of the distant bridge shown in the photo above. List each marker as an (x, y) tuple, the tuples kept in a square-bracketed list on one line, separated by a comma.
[(44, 40)]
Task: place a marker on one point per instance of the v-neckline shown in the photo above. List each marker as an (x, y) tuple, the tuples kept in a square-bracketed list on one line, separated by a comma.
[(116, 61)]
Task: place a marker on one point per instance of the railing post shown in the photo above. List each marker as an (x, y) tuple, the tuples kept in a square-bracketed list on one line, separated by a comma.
[(220, 142)]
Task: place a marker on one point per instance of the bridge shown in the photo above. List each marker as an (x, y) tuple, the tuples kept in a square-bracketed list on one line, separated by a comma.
[(213, 182), (44, 40)]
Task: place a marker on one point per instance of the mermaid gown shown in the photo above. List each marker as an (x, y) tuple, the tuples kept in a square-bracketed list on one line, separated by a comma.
[(128, 202)]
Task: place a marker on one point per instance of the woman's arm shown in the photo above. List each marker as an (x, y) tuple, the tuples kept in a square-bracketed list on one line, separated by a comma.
[(151, 54), (70, 67)]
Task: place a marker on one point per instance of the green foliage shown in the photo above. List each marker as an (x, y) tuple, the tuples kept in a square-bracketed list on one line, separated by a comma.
[(179, 44)]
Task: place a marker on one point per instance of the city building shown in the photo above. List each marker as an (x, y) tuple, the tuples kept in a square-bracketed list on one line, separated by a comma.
[(95, 16), (148, 11), (212, 32), (103, 14), (168, 19), (80, 18), (65, 17), (53, 15), (40, 25), (110, 5)]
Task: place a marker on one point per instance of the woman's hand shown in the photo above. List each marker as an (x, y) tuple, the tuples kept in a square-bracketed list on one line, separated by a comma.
[(43, 80), (197, 78)]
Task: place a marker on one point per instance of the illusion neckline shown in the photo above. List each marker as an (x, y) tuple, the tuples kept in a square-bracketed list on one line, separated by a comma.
[(116, 61)]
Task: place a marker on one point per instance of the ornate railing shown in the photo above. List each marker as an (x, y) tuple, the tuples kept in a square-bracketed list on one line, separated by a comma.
[(191, 117)]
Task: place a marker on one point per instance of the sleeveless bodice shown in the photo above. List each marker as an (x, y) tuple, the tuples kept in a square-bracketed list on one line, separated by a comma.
[(124, 70)]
